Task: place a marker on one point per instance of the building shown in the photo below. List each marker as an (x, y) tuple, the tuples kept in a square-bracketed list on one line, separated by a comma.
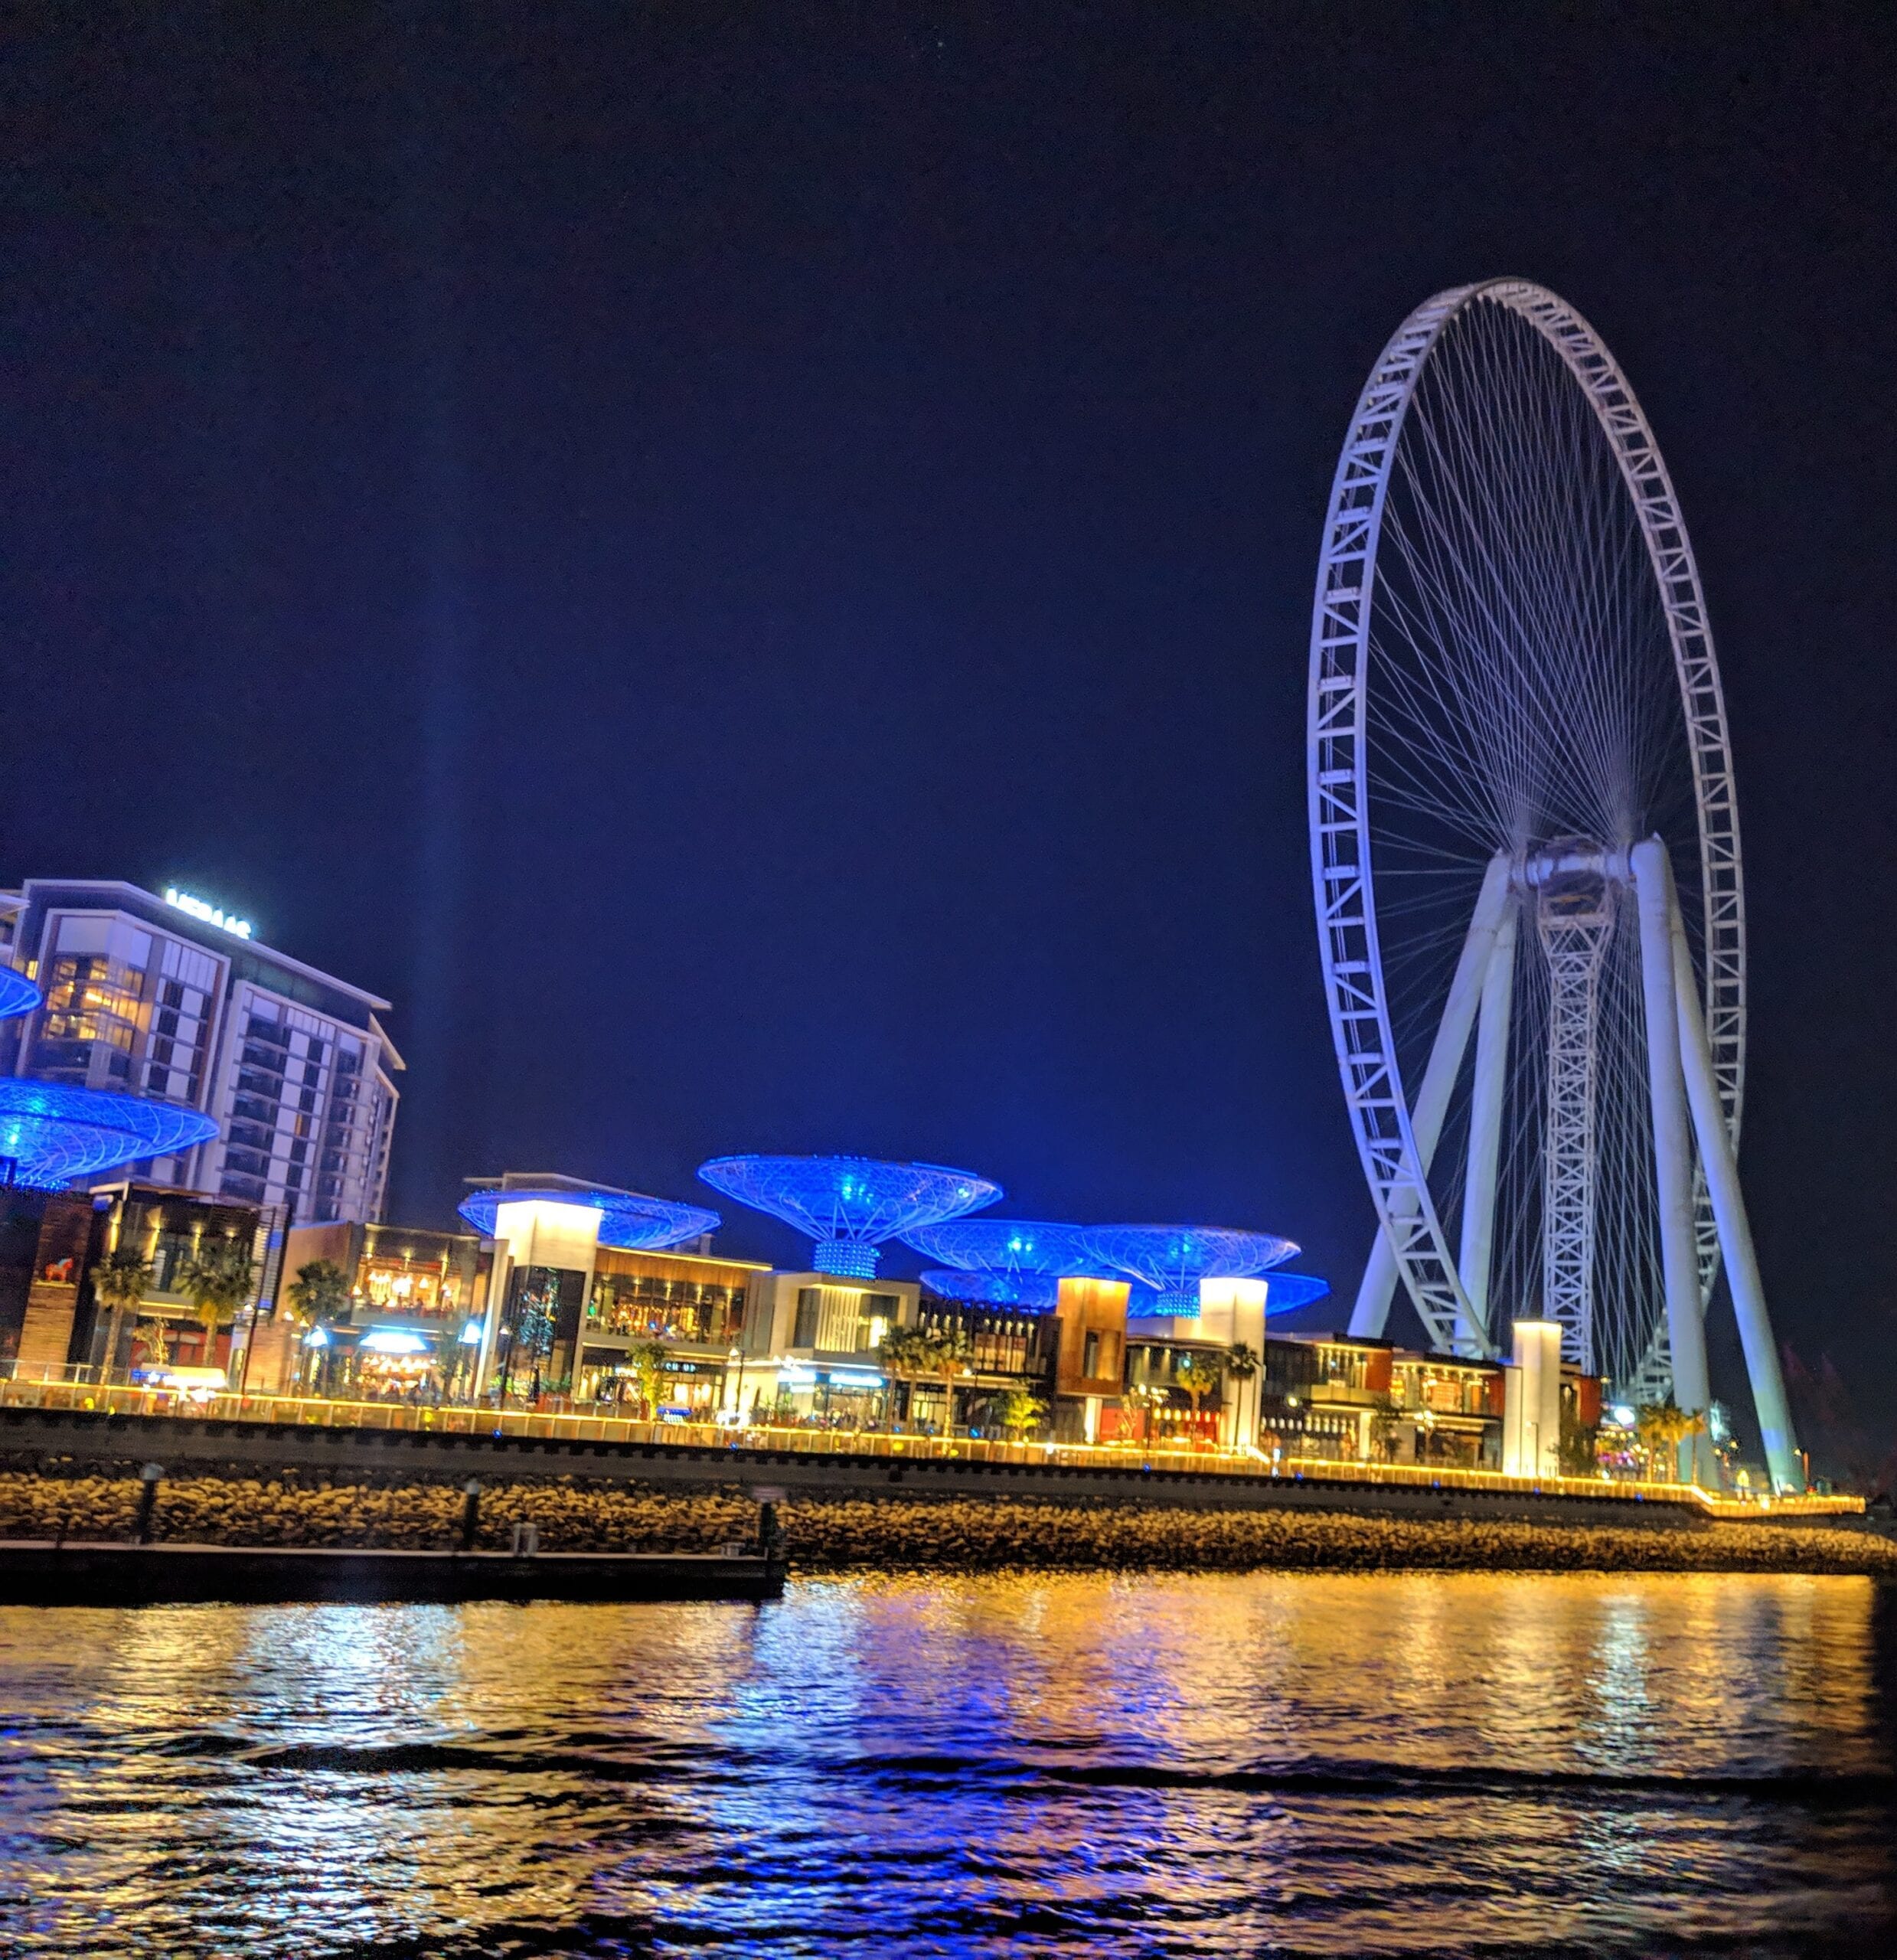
[(52, 1324), (168, 999), (409, 1296), (664, 1331)]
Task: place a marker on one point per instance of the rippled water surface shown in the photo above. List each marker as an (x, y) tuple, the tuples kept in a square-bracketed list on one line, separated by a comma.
[(1167, 1765)]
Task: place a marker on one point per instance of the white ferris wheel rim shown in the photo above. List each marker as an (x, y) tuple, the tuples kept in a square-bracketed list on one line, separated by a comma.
[(1338, 751)]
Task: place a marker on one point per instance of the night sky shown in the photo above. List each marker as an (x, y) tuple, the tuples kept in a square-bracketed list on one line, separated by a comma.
[(753, 574)]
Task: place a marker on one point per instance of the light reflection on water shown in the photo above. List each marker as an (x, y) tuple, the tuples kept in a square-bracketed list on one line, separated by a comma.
[(1165, 1766)]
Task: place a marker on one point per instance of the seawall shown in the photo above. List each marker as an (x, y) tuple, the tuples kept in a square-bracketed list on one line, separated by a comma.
[(940, 1533)]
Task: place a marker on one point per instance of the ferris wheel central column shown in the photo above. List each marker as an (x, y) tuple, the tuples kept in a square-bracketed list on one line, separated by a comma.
[(1672, 1144), (1575, 918)]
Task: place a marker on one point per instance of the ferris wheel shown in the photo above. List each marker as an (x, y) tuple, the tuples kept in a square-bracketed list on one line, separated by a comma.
[(1525, 853)]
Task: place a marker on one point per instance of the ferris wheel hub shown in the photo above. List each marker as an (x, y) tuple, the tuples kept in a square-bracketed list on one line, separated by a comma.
[(1572, 858)]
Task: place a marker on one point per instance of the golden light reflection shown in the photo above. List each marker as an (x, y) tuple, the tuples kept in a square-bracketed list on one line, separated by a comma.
[(1219, 1764)]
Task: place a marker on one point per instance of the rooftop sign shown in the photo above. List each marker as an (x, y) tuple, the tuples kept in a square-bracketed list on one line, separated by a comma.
[(227, 922)]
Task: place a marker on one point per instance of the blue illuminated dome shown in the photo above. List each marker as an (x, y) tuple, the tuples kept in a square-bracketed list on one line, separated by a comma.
[(849, 1205), (1285, 1291), (1036, 1291), (1173, 1259), (17, 994), (628, 1219), (52, 1134), (1008, 1245)]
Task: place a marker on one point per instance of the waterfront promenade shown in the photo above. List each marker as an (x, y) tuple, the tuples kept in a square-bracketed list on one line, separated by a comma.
[(91, 1422)]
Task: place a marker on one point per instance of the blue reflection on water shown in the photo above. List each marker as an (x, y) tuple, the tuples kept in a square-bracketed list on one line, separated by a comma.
[(1215, 1765)]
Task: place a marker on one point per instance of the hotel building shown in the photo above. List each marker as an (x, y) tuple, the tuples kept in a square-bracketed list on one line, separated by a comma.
[(168, 997)]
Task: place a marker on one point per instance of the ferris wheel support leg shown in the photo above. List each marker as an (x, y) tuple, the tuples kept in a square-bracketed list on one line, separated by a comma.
[(1379, 1285), (1673, 1147), (1476, 1258), (1769, 1401)]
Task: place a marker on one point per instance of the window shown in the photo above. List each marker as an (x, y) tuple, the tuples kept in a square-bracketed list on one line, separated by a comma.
[(810, 1302), (1090, 1357)]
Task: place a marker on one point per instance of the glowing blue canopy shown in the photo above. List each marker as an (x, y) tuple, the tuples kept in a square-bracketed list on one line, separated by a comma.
[(1037, 1291), (52, 1133), (849, 1205), (1008, 1245), (17, 994), (628, 1219), (1283, 1290), (1174, 1258)]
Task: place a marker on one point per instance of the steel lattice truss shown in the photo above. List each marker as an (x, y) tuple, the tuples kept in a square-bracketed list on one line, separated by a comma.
[(1510, 651), (1575, 926)]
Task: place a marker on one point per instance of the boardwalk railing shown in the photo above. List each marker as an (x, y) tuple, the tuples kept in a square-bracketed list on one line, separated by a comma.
[(133, 1399)]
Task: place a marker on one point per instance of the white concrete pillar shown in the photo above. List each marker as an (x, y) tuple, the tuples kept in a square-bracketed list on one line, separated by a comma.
[(1531, 1408), (1232, 1312), (1769, 1400), (1476, 1258), (1673, 1147)]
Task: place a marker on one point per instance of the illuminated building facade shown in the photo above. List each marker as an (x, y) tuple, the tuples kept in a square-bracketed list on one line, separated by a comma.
[(51, 1320), (811, 1346), (170, 999), (411, 1294)]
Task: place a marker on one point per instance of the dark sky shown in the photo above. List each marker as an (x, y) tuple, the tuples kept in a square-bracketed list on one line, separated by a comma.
[(753, 573)]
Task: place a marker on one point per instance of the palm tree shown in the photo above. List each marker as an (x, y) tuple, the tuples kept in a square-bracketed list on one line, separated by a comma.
[(1021, 1410), (649, 1358), (119, 1281), (954, 1353), (217, 1283), (319, 1291), (1663, 1426), (1198, 1374), (905, 1352), (1241, 1363)]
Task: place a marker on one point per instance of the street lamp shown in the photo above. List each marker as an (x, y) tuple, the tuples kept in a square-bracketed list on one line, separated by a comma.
[(737, 1354)]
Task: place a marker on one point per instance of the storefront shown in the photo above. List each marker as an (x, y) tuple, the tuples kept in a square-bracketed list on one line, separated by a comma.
[(681, 1388), (823, 1398), (378, 1363)]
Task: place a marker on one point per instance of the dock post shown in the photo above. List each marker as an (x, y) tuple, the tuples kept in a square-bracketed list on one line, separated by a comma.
[(471, 1513), (150, 1476)]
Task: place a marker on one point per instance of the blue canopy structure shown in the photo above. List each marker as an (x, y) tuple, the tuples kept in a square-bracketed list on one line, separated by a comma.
[(51, 1133), (628, 1219), (1008, 1245), (1284, 1292), (1173, 1259), (17, 994), (1035, 1292), (849, 1205)]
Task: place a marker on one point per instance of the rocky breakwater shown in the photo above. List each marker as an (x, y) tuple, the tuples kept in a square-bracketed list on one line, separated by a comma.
[(930, 1534)]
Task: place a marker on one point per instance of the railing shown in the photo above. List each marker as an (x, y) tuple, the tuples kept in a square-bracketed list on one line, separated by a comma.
[(56, 1389)]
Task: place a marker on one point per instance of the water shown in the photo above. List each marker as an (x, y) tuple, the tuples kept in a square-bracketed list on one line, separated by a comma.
[(1204, 1766)]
